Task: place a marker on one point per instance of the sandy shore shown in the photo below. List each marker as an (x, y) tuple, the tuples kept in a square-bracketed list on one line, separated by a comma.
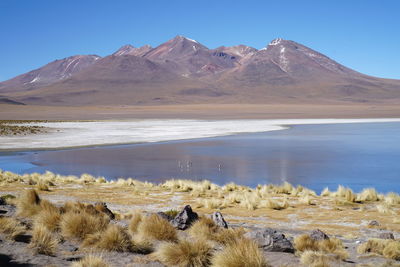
[(90, 133), (201, 111)]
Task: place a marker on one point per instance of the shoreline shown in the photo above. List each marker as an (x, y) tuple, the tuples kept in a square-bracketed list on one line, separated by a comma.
[(65, 135)]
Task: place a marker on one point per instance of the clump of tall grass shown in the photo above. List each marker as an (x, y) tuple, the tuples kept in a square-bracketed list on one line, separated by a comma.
[(326, 192), (43, 241), (28, 204), (212, 203), (386, 247), (90, 261), (384, 209), (114, 238), (185, 253), (306, 199), (332, 245), (241, 252), (313, 258), (134, 223), (345, 193), (206, 229), (274, 204), (392, 198), (153, 227), (11, 227), (368, 194), (49, 218), (79, 224)]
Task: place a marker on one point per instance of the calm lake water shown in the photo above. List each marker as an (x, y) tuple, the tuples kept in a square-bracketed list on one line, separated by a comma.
[(356, 155)]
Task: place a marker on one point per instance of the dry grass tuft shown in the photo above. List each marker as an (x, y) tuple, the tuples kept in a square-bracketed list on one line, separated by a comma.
[(384, 209), (90, 261), (392, 250), (134, 223), (43, 241), (49, 218), (392, 199), (388, 248), (333, 245), (114, 238), (306, 199), (28, 204), (368, 194), (79, 224), (154, 227), (42, 186), (242, 252), (345, 193), (206, 229), (11, 227), (203, 229), (275, 205), (325, 192), (185, 253), (317, 259)]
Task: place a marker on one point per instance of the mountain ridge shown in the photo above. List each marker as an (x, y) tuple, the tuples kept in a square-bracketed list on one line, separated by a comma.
[(182, 71)]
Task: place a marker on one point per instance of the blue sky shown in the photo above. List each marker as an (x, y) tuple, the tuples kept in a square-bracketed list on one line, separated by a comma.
[(361, 34)]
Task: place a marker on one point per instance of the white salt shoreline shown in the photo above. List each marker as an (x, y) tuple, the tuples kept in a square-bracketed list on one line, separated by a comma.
[(76, 134)]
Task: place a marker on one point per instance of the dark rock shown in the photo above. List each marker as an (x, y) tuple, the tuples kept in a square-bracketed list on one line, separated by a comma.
[(219, 219), (374, 223), (102, 207), (270, 240), (184, 218), (72, 258), (24, 238), (318, 235), (164, 216), (8, 210), (387, 235)]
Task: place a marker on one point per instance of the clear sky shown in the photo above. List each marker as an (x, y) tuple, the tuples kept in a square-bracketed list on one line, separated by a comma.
[(360, 34)]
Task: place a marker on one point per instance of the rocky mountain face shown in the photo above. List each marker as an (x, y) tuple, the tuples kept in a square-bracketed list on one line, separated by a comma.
[(53, 72), (182, 70)]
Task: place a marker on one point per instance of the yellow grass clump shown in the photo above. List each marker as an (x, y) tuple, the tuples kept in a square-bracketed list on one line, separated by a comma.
[(368, 194), (306, 199), (134, 223), (274, 204), (242, 252), (43, 241), (206, 229), (345, 193), (384, 209), (11, 227), (184, 253), (212, 203), (28, 204), (325, 192), (392, 198), (79, 224), (153, 227), (114, 238), (90, 261), (333, 245), (312, 258), (49, 218), (388, 248), (203, 228), (42, 186)]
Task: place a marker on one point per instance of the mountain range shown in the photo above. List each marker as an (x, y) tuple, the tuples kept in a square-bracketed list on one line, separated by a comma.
[(183, 71)]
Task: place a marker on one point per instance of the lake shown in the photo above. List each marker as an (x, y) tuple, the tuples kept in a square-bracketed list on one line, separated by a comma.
[(357, 155)]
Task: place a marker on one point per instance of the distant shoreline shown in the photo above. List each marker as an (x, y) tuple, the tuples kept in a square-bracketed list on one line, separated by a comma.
[(62, 135)]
